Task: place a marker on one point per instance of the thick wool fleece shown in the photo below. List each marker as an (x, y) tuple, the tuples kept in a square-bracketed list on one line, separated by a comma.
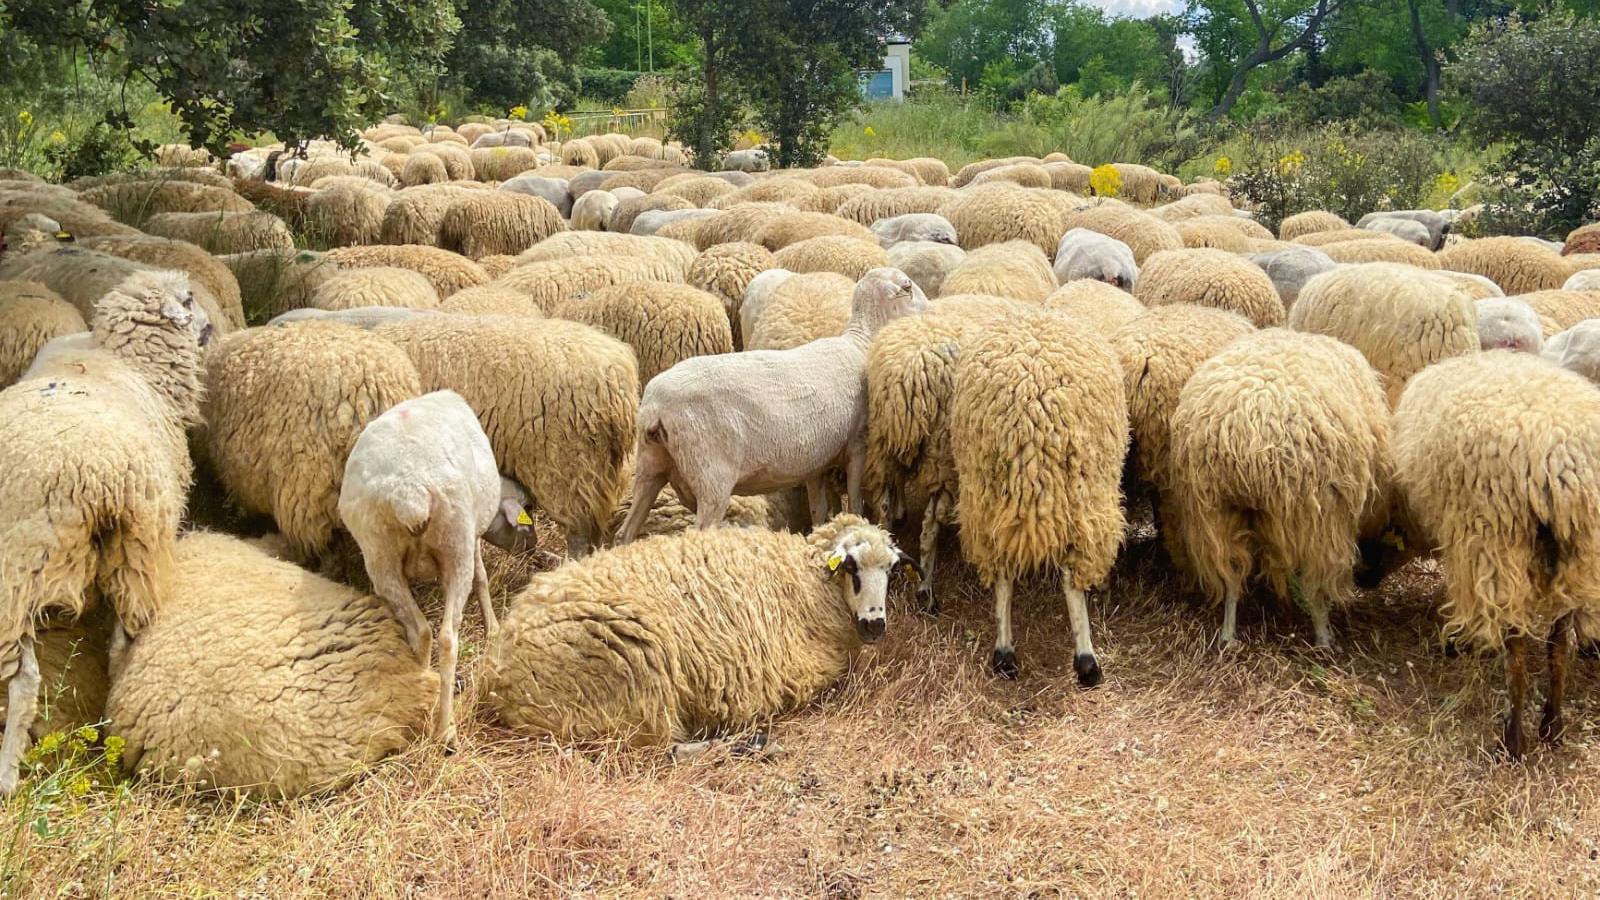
[(413, 215), (1518, 266), (1560, 310), (675, 255), (272, 282), (848, 256), (551, 283), (792, 228), (679, 637), (1039, 423), (1144, 234), (1101, 306), (485, 223), (1498, 457), (82, 276), (73, 677), (30, 315), (1015, 269), (260, 677), (1000, 212), (803, 308), (1311, 222), (449, 272), (725, 271), (910, 386), (284, 405), (1213, 278), (874, 205), (224, 232), (664, 323), (376, 286), (203, 268)]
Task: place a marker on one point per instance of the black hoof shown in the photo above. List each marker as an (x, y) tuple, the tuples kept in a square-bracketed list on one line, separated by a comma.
[(1005, 663), (1511, 742), (1451, 651), (927, 602), (754, 745), (1088, 669), (1552, 726)]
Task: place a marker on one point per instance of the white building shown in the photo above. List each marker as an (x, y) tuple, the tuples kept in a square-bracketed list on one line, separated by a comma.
[(889, 82)]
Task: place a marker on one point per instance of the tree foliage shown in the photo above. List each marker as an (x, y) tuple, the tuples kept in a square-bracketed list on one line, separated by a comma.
[(520, 52)]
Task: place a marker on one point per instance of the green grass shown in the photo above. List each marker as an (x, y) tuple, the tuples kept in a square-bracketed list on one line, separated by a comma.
[(944, 126)]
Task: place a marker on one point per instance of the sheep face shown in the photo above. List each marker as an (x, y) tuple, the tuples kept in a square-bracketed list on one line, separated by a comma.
[(1508, 324), (168, 294), (888, 293), (862, 559), (512, 527)]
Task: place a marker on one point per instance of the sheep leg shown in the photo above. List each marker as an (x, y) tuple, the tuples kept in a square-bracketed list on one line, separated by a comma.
[(711, 510), (1562, 646), (578, 544), (480, 587), (930, 552), (855, 467), (387, 572), (817, 499), (458, 583), (1005, 652), (1230, 618), (1317, 603), (654, 468), (118, 648), (1084, 662), (1517, 683), (21, 700)]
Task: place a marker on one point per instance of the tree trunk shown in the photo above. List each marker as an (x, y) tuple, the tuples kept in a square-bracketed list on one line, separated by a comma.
[(1241, 76), (1264, 53), (705, 151), (1430, 64)]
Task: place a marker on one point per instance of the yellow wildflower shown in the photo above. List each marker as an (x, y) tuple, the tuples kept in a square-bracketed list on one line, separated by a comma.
[(870, 132), (114, 747), (519, 113), (1291, 162), (89, 733), (78, 786), (26, 118), (1223, 167), (57, 138), (51, 742), (1105, 180)]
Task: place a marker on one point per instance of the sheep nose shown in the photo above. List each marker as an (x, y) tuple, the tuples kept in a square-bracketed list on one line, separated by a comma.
[(870, 630)]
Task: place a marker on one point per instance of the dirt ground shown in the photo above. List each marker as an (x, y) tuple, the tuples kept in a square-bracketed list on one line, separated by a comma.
[(1276, 770)]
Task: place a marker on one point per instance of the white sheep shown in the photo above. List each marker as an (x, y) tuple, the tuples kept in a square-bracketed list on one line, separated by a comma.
[(757, 294), (914, 227), (1436, 224), (754, 160), (651, 221), (1291, 269), (1405, 229), (363, 317), (1577, 349), (763, 421), (554, 190), (592, 210), (1089, 254), (1508, 323)]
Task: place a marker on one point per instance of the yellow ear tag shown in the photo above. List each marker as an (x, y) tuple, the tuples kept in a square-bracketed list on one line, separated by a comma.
[(523, 518), (834, 561)]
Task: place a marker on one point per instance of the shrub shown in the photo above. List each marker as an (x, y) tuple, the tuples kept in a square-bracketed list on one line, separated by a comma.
[(1131, 126), (609, 85)]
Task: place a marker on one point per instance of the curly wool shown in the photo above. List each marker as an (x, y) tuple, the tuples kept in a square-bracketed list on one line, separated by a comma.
[(1583, 239), (664, 323), (1039, 425), (845, 255), (926, 169), (802, 195), (82, 219), (1203, 233), (346, 214), (792, 228), (448, 272), (1024, 174), (1517, 265), (1140, 184), (283, 408), (1402, 320), (675, 254), (623, 217), (202, 268), (132, 202), (1382, 251), (1144, 234), (927, 263), (1280, 456), (970, 171), (696, 189), (457, 159), (486, 223), (1560, 310), (741, 223), (996, 213), (1190, 208), (81, 277), (1101, 306), (1324, 238), (376, 286), (30, 315), (227, 232), (557, 400), (261, 678), (73, 680), (1498, 456), (491, 300), (678, 637), (1015, 269), (550, 283), (910, 384), (874, 205), (502, 163), (414, 215), (725, 271), (1311, 221), (803, 309), (877, 177), (1213, 278)]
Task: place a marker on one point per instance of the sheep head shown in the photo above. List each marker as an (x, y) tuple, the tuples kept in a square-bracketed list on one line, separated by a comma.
[(511, 529), (883, 295), (152, 322), (860, 557), (31, 232)]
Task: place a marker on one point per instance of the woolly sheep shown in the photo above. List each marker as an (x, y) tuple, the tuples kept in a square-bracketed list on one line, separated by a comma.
[(448, 272), (725, 271), (1516, 265), (348, 215), (1096, 304), (30, 315), (73, 660), (754, 160), (548, 284), (1407, 230), (133, 202), (1401, 320), (1586, 280), (877, 177), (1382, 251), (1014, 269), (914, 227), (1310, 222), (457, 160), (664, 323), (364, 317), (1289, 270), (652, 221), (227, 232), (1030, 175), (420, 488), (971, 171), (801, 309), (1498, 456), (996, 213), (802, 195), (557, 400), (1583, 239), (375, 286), (1280, 456), (927, 263), (1213, 278), (502, 163), (848, 256), (1209, 232), (1144, 234), (82, 276), (792, 228), (875, 206), (719, 425), (283, 407), (742, 223), (1560, 310), (414, 214), (1476, 285), (1046, 398), (555, 191), (629, 209), (763, 288), (1508, 324), (493, 222), (203, 268), (1194, 207), (236, 634), (675, 255), (723, 629), (1089, 254), (694, 187), (97, 472)]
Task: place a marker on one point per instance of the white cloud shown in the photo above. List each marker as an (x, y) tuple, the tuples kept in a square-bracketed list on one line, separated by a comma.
[(1139, 9)]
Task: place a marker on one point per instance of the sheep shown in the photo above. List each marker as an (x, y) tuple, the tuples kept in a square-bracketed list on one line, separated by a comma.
[(283, 407), (1402, 320), (203, 268), (502, 163), (801, 309), (276, 281), (848, 256), (1310, 222), (1382, 251), (557, 399), (971, 171), (448, 272), (1014, 269), (97, 471), (725, 271), (1039, 427), (1577, 349), (549, 284), (762, 289), (1408, 230), (1498, 458), (740, 224), (1209, 232), (1516, 265), (457, 160), (555, 191), (1095, 303), (1289, 270), (132, 202), (73, 662), (420, 488), (375, 286), (792, 228), (490, 222), (1280, 444), (652, 221), (1560, 310), (1508, 324), (1585, 280), (693, 187), (1089, 254), (1213, 278), (914, 227), (690, 636), (996, 213), (236, 634), (367, 318), (664, 323), (1476, 285), (30, 315), (875, 206), (82, 276), (927, 263), (719, 425), (628, 210), (1144, 234), (593, 210), (345, 215), (1029, 175), (414, 214), (1194, 207), (676, 256), (1583, 239), (876, 177), (753, 160), (227, 232)]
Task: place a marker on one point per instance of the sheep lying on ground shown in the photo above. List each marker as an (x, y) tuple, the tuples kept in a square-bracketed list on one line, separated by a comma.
[(1508, 324), (1089, 254), (1039, 425), (1280, 457), (690, 636), (97, 474), (719, 425), (420, 488), (1498, 456), (289, 683)]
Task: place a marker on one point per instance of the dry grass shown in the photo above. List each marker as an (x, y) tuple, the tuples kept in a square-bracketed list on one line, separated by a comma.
[(1276, 770)]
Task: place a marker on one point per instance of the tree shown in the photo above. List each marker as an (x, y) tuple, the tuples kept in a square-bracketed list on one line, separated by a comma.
[(1247, 34), (520, 52), (645, 36), (969, 35), (706, 105)]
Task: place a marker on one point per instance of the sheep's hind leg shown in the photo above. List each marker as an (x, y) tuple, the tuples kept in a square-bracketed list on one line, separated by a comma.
[(1230, 618), (930, 552), (650, 476), (1517, 683), (1563, 643), (389, 582), (22, 702), (458, 584), (1084, 661), (1005, 652), (817, 499), (480, 589), (1322, 632)]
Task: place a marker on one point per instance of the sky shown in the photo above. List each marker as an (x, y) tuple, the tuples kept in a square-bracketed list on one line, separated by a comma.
[(1138, 8)]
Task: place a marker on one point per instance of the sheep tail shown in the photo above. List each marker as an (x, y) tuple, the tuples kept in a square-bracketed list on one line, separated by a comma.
[(413, 507), (657, 433)]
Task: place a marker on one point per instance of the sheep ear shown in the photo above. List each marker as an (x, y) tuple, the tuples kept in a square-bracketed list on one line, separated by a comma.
[(841, 561), (173, 311), (516, 516)]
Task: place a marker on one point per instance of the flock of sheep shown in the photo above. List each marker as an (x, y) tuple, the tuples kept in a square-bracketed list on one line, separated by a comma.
[(772, 377)]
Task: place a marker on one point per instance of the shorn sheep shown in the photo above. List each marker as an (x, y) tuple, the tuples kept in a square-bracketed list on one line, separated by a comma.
[(927, 262), (259, 677), (97, 474), (1508, 324), (1280, 457), (764, 421), (1498, 458), (1289, 270), (1039, 425), (420, 488), (690, 636), (1577, 349), (1089, 254)]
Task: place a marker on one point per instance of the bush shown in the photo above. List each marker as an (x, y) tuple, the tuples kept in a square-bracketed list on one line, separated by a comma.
[(938, 124), (609, 85), (1132, 126), (1367, 96), (107, 146)]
